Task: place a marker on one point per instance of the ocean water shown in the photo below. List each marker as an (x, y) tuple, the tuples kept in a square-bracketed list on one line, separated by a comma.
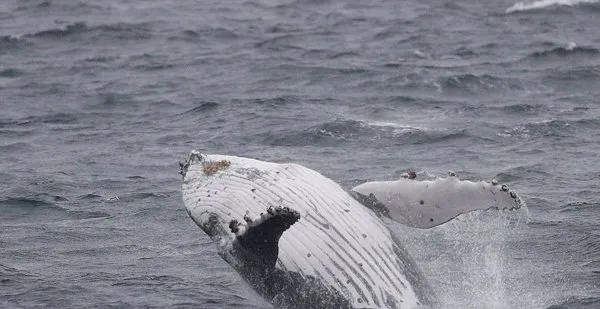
[(100, 100)]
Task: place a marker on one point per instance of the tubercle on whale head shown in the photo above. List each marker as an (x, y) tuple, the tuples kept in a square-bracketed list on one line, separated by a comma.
[(192, 157)]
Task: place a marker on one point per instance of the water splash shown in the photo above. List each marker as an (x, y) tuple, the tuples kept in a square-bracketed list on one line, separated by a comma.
[(478, 245), (477, 261), (526, 6)]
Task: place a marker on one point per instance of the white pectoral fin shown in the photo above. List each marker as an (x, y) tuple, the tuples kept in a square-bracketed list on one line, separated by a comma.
[(428, 203)]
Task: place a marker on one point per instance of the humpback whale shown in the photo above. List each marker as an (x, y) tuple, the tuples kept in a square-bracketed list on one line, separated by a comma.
[(301, 241)]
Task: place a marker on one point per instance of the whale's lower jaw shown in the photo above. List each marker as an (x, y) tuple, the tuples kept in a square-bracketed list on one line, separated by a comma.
[(339, 252)]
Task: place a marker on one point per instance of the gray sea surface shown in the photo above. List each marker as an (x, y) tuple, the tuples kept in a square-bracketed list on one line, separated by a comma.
[(100, 100)]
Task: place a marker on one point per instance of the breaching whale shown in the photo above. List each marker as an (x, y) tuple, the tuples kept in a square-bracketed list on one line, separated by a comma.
[(301, 241)]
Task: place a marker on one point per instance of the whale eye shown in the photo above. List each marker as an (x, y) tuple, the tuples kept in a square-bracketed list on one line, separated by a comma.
[(504, 188)]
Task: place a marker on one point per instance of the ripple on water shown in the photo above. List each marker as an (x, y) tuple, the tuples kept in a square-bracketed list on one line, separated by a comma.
[(476, 84), (202, 107), (11, 44), (80, 31), (30, 209), (364, 133)]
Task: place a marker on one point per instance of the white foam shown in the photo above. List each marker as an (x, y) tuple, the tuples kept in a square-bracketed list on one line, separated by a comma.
[(391, 125), (526, 6), (476, 261)]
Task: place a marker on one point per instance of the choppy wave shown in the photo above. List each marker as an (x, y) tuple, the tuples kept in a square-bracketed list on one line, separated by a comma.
[(475, 84), (58, 118), (366, 133), (522, 109), (6, 270), (10, 73), (571, 50), (46, 206), (11, 44), (80, 30), (578, 206), (31, 203), (526, 6), (203, 34), (149, 280), (203, 107), (109, 101), (578, 75), (549, 128), (49, 7), (554, 128)]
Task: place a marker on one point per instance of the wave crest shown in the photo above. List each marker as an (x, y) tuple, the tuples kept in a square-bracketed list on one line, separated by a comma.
[(366, 133), (570, 50), (11, 44), (526, 6)]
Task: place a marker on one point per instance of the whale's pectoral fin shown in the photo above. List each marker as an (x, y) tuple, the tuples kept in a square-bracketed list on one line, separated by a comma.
[(428, 203), (257, 244)]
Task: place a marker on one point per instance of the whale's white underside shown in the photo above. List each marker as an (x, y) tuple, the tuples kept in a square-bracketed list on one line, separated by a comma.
[(428, 203), (337, 239)]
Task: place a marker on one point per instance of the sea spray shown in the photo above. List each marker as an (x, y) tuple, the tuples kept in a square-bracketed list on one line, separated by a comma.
[(471, 261)]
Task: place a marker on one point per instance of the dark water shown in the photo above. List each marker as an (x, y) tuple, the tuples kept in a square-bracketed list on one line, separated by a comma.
[(99, 100)]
